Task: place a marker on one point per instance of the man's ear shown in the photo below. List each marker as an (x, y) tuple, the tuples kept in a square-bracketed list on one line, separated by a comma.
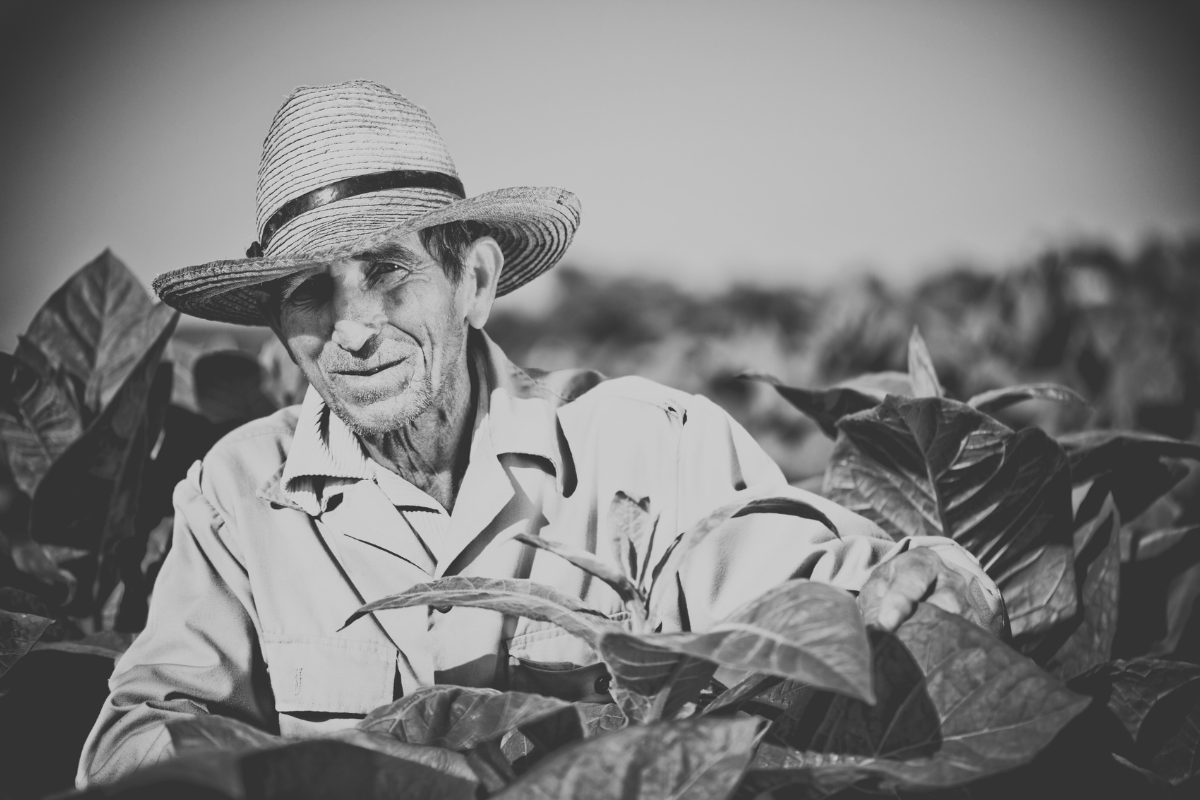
[(482, 265)]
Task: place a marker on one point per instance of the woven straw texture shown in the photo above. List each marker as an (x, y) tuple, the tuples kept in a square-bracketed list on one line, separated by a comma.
[(329, 133)]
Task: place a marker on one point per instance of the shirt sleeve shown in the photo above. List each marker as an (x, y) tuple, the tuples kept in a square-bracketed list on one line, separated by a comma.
[(197, 655), (747, 555)]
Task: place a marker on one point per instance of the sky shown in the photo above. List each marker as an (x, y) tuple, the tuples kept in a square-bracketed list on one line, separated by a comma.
[(774, 142)]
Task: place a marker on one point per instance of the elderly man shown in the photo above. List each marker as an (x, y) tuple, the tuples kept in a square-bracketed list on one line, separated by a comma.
[(420, 451)]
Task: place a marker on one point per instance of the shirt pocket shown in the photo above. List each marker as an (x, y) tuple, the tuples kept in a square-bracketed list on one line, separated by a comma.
[(323, 682), (537, 648), (565, 681)]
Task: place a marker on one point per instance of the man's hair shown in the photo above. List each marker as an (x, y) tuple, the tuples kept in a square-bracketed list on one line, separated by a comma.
[(448, 244)]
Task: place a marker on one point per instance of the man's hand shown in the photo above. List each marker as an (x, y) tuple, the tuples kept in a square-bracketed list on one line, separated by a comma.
[(891, 594)]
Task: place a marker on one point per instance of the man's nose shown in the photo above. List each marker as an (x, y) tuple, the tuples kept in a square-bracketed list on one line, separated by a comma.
[(353, 335), (358, 313)]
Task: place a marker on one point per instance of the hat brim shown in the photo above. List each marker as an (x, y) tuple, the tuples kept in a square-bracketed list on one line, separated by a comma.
[(533, 226)]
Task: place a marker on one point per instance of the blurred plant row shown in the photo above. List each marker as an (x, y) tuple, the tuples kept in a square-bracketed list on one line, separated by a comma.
[(1120, 330)]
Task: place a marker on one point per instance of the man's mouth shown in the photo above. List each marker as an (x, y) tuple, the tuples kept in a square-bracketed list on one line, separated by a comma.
[(366, 372)]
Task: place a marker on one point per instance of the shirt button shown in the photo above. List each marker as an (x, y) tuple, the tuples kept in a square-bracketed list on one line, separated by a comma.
[(602, 684)]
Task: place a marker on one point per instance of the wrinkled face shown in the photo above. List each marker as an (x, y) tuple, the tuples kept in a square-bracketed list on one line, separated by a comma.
[(378, 334)]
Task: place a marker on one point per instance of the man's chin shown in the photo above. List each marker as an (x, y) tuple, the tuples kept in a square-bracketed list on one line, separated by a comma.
[(381, 417)]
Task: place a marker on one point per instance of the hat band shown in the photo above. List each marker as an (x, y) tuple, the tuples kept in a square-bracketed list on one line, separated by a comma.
[(350, 187)]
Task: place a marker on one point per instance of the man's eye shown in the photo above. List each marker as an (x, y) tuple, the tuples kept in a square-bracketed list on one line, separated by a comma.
[(312, 290), (381, 267)]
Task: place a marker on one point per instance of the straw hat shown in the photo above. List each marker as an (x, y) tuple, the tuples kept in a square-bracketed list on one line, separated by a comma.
[(345, 168)]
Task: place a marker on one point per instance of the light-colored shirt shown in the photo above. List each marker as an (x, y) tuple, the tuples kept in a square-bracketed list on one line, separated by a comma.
[(286, 528), (326, 458)]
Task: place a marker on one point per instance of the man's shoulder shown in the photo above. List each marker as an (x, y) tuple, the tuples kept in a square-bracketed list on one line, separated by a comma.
[(636, 390), (635, 406), (259, 447), (241, 464), (585, 392)]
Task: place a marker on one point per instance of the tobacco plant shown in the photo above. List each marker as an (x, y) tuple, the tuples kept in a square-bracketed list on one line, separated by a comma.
[(823, 705), (82, 402)]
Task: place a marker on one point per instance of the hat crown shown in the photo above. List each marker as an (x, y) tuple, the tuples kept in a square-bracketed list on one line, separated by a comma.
[(324, 134)]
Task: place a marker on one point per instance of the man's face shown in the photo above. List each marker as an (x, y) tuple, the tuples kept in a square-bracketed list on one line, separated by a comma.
[(378, 334)]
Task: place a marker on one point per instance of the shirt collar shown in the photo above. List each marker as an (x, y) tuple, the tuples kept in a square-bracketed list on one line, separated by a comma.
[(521, 413), (515, 408), (325, 454)]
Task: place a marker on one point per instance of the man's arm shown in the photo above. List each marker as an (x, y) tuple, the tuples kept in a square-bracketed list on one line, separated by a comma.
[(752, 553), (198, 654)]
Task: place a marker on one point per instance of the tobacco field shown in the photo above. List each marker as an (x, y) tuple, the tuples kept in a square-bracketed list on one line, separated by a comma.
[(1043, 418)]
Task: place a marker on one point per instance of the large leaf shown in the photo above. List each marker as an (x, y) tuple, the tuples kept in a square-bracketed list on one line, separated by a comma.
[(800, 629), (490, 766), (1095, 452), (1044, 594), (1153, 544), (309, 770), (600, 718), (1168, 509), (38, 418), (611, 574), (1159, 603), (128, 526), (106, 644), (18, 633), (1182, 600), (210, 732), (1084, 641), (459, 718), (931, 466), (88, 499), (8, 363), (74, 502), (1158, 704), (201, 775), (823, 406), (880, 384), (827, 406), (438, 758), (771, 500), (633, 533), (97, 327), (748, 687), (805, 774), (954, 704), (920, 368), (784, 694), (519, 597), (205, 733), (1144, 488), (1143, 466), (637, 709), (697, 759), (1000, 399), (642, 669), (535, 739), (42, 561)]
